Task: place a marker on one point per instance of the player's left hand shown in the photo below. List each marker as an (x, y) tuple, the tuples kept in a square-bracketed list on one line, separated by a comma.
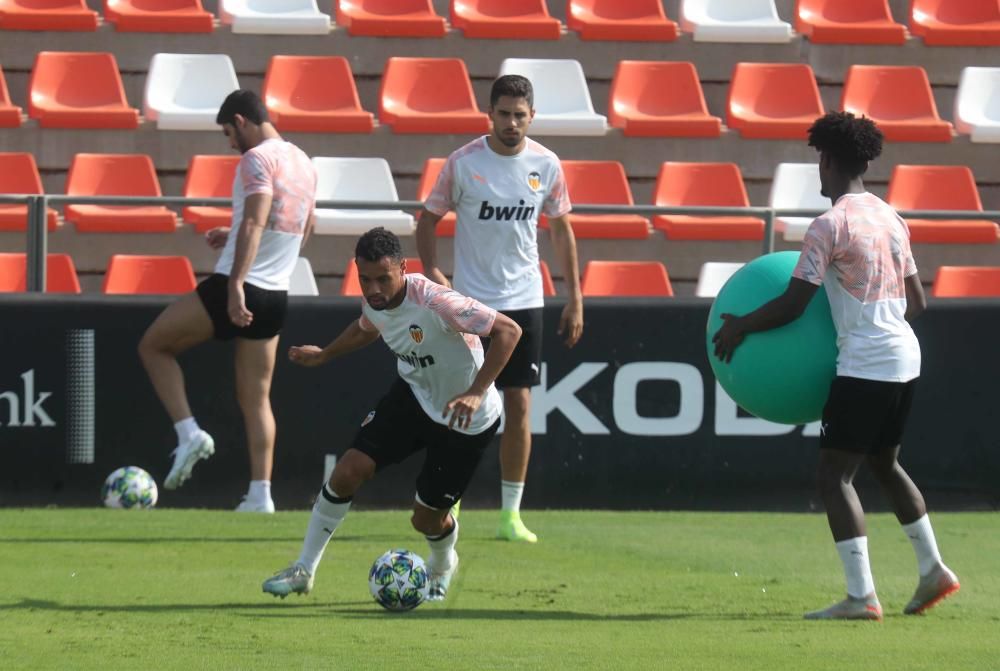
[(728, 337), (462, 408), (236, 307), (571, 323)]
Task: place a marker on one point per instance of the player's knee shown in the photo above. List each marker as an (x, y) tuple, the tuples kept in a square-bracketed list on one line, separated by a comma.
[(517, 402), (428, 522), (350, 473), (884, 470)]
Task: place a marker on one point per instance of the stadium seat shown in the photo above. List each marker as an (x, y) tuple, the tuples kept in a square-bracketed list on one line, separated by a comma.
[(505, 19), (429, 95), (967, 282), (601, 183), (848, 22), (314, 94), (158, 16), (548, 286), (62, 15), (940, 187), (79, 90), (351, 286), (704, 184), (184, 91), (898, 99), (428, 178), (625, 278), (303, 281), (390, 18), (713, 276), (209, 177), (796, 186), (562, 99), (116, 175), (773, 100), (127, 274), (734, 21), (10, 114), (287, 17), (60, 274), (977, 104), (19, 174), (660, 99), (620, 20), (965, 23), (357, 179)]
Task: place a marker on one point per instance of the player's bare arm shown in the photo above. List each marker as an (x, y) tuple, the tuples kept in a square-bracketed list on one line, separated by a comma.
[(916, 301), (352, 338), (782, 310), (256, 209), (564, 242), (310, 225), (503, 338), (427, 247)]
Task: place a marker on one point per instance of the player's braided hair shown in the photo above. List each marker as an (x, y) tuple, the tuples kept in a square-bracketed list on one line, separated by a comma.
[(377, 244), (851, 141)]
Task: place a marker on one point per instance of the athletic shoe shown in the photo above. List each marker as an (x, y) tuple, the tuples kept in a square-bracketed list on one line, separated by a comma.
[(186, 455), (851, 608), (248, 506), (513, 529), (439, 582), (294, 579), (456, 509), (932, 588)]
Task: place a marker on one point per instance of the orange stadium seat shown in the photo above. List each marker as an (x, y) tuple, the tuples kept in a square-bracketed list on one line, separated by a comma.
[(140, 274), (625, 278), (601, 183), (158, 16), (940, 187), (116, 175), (848, 22), (10, 114), (773, 100), (19, 174), (351, 286), (704, 184), (548, 286), (314, 94), (898, 99), (60, 274), (956, 23), (660, 99), (428, 178), (967, 281), (209, 177), (429, 95), (620, 20), (64, 15), (505, 19), (79, 90), (395, 18)]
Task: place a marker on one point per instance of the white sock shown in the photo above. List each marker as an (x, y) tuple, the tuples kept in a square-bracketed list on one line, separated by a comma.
[(854, 555), (186, 429), (442, 550), (260, 490), (510, 495), (327, 514), (924, 544)]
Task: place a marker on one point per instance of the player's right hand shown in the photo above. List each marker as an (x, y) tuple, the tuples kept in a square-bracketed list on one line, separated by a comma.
[(216, 238), (306, 355)]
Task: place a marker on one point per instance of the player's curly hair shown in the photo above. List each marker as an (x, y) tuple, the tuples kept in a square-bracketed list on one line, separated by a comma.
[(377, 244), (851, 141)]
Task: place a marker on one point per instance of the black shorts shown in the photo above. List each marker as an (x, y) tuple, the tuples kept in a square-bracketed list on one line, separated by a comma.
[(524, 366), (865, 416), (268, 308), (399, 427)]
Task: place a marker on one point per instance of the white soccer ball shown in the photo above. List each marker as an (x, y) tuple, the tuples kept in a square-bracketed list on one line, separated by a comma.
[(129, 487), (398, 580)]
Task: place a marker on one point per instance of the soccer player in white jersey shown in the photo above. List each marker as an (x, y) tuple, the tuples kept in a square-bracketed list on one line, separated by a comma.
[(498, 185), (859, 251), (274, 194), (443, 402)]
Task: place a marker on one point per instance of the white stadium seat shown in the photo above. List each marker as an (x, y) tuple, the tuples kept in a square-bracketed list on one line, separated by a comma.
[(184, 91), (734, 21), (796, 186), (562, 99), (357, 179), (274, 17), (303, 282), (977, 104), (712, 276)]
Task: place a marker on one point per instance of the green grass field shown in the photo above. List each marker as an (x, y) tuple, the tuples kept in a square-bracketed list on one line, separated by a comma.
[(170, 589)]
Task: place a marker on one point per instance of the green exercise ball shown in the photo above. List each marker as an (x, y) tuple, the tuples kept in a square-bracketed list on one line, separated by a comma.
[(782, 375)]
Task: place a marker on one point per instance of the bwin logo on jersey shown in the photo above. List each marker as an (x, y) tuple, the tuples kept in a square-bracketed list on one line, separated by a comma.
[(415, 359), (416, 333), (506, 212)]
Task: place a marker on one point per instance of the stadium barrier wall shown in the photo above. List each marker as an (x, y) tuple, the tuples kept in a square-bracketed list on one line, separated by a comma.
[(631, 418)]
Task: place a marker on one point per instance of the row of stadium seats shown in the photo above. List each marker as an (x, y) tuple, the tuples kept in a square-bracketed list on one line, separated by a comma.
[(938, 22), (132, 274), (681, 184), (434, 95)]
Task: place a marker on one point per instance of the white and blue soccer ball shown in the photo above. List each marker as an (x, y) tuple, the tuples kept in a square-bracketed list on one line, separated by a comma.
[(129, 487), (398, 580)]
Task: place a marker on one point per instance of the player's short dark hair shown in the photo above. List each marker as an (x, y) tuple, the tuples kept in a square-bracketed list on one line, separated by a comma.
[(377, 244), (245, 103), (849, 140), (513, 86)]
